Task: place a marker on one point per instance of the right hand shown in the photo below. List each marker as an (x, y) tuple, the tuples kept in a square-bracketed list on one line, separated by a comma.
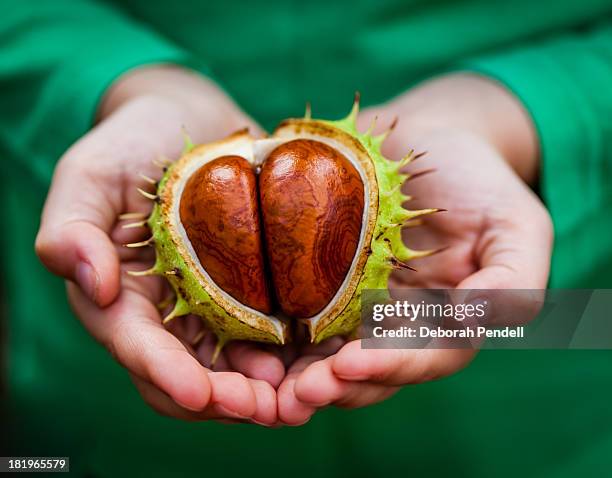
[(483, 148), (81, 239)]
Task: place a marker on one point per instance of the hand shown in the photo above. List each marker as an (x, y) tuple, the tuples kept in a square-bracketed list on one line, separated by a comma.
[(496, 232), (81, 239)]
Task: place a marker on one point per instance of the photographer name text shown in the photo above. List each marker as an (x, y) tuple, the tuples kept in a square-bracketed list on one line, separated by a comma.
[(440, 332)]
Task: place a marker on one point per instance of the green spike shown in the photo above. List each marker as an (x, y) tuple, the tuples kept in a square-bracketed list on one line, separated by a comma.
[(187, 143), (420, 212), (180, 308), (199, 337), (381, 137), (391, 192), (405, 254), (406, 160), (402, 215), (308, 112), (218, 347), (147, 272), (368, 133), (350, 122), (165, 302)]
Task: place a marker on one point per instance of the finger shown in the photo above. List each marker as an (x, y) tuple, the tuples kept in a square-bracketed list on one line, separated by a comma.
[(363, 394), (166, 406), (236, 397), (266, 412), (397, 367), (233, 395), (131, 330), (255, 362), (73, 239), (514, 252), (73, 242), (292, 411), (318, 386)]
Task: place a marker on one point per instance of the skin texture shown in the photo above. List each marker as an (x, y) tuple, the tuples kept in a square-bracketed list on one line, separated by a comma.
[(479, 139), (312, 206), (219, 210)]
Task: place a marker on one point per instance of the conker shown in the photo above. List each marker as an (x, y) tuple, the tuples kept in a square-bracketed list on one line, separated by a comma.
[(312, 207), (220, 212)]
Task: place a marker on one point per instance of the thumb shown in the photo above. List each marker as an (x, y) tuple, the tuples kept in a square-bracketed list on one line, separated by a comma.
[(82, 253), (73, 240), (514, 266), (514, 254)]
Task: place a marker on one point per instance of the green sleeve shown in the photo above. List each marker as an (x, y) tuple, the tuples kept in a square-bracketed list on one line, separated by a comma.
[(566, 85), (56, 61)]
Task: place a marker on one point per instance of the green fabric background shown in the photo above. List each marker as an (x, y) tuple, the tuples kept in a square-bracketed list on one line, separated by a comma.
[(538, 413)]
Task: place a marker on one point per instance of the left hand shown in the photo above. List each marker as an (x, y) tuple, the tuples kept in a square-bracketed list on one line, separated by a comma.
[(81, 239), (497, 233)]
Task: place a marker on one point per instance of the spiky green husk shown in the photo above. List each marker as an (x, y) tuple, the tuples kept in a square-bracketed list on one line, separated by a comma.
[(385, 251)]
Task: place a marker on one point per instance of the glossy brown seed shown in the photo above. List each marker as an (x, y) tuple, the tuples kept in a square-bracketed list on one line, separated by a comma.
[(220, 213), (312, 201)]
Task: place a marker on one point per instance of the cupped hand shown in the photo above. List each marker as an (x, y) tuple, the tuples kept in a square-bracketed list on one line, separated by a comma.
[(81, 239), (494, 234)]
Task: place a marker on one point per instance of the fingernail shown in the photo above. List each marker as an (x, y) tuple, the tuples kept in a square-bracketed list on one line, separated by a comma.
[(187, 407), (256, 422), (352, 378), (300, 423), (320, 404), (87, 279), (224, 411)]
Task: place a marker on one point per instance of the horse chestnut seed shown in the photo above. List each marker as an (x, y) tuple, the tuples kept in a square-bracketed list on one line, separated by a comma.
[(312, 207), (220, 212)]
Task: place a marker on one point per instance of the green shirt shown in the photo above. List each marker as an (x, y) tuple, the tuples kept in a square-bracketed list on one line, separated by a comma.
[(538, 413)]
